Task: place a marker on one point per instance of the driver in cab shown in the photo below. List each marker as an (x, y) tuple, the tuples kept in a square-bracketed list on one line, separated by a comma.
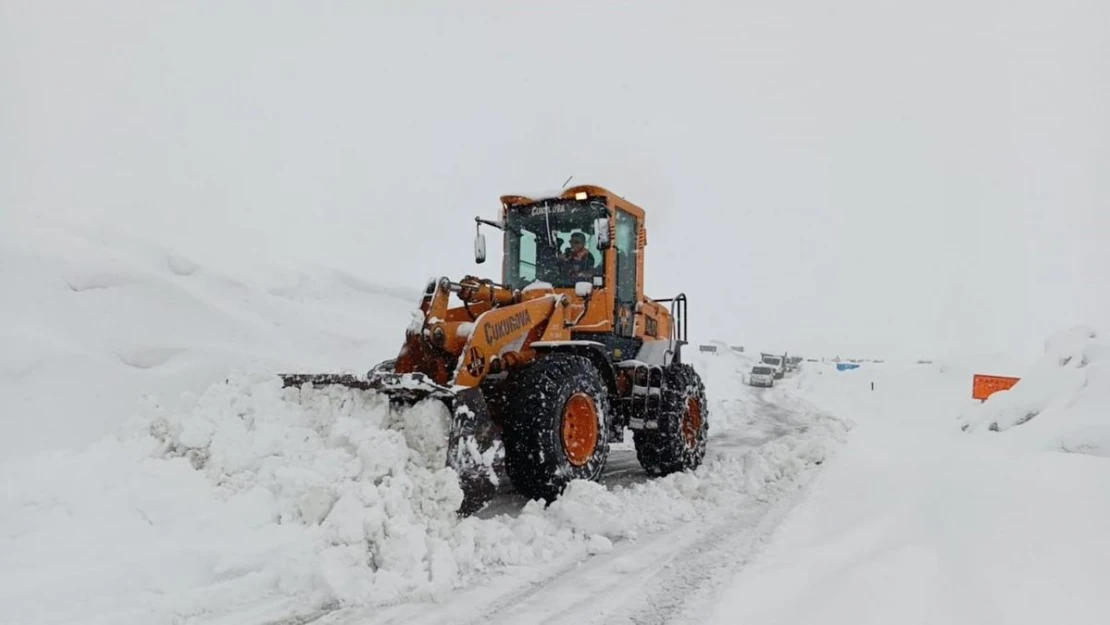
[(577, 262)]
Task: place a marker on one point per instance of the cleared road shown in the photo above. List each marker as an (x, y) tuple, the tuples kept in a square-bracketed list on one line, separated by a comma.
[(671, 576)]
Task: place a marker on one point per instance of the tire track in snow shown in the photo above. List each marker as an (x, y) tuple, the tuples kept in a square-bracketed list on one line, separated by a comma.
[(675, 577), (692, 584), (670, 576)]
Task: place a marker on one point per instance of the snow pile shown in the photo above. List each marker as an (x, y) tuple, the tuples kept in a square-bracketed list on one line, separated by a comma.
[(251, 495), (238, 497), (1062, 402), (911, 524), (914, 517)]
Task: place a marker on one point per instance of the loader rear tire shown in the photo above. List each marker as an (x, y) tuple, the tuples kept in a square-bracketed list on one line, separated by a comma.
[(557, 426), (679, 442)]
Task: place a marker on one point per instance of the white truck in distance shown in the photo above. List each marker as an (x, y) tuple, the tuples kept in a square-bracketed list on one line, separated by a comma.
[(775, 362), (762, 375)]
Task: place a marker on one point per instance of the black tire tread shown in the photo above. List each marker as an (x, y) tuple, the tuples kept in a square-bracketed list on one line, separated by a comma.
[(534, 456), (663, 451)]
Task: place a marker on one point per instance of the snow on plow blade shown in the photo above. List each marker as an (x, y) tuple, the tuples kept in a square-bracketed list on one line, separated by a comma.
[(474, 451)]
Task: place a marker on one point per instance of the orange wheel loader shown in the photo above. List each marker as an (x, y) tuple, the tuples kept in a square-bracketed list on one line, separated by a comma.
[(544, 369)]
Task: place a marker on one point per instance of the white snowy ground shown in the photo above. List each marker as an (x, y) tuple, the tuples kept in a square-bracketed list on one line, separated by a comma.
[(224, 499), (918, 521)]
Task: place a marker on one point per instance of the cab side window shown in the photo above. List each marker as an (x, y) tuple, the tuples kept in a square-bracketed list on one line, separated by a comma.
[(527, 269), (627, 230), (625, 244)]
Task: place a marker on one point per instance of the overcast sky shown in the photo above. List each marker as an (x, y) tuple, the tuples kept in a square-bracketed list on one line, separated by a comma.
[(857, 178)]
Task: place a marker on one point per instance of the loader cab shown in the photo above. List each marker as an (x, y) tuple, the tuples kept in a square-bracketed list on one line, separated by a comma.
[(555, 244), (539, 237)]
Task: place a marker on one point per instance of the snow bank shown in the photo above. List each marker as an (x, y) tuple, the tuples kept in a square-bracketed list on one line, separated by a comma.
[(724, 374), (251, 495), (917, 520), (910, 525), (930, 394), (1062, 402)]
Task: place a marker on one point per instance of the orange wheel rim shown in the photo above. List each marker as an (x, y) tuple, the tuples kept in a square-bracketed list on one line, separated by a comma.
[(691, 422), (579, 429)]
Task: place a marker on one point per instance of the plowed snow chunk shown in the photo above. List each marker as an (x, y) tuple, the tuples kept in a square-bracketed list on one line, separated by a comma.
[(382, 456), (180, 265), (196, 433), (599, 544), (148, 357), (426, 429), (315, 503), (96, 281), (590, 508)]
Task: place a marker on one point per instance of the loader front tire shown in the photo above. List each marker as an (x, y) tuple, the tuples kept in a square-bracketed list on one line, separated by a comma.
[(678, 444), (557, 426)]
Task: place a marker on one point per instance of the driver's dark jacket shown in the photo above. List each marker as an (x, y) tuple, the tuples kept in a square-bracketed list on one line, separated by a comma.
[(580, 264)]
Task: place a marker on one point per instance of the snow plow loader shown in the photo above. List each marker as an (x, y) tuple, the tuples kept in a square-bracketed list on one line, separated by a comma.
[(543, 370)]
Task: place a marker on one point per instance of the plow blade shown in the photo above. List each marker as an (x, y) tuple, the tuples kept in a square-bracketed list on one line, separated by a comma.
[(474, 450)]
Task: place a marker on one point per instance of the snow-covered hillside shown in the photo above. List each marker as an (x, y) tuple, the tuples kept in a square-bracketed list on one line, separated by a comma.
[(158, 472), (918, 521), (91, 320)]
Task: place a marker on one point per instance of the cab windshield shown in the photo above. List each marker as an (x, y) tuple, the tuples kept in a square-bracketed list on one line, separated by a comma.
[(553, 241)]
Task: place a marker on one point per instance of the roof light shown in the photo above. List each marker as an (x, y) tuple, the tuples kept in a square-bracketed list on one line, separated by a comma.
[(581, 195)]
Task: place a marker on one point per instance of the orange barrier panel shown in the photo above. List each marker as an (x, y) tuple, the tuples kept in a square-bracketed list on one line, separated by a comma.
[(983, 386)]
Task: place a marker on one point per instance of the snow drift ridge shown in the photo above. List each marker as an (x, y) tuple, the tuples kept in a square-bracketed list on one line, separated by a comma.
[(1061, 403)]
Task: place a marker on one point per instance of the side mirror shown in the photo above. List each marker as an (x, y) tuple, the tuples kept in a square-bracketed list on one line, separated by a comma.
[(479, 248), (601, 230), (583, 289)]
